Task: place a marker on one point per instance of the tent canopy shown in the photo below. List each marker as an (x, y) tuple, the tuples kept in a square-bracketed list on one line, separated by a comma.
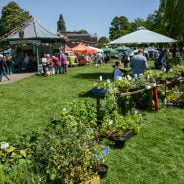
[(82, 48), (97, 49), (107, 49), (122, 49), (151, 50), (143, 36), (33, 30)]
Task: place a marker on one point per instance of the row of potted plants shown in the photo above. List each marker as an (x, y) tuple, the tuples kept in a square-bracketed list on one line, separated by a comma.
[(151, 79), (150, 76), (115, 123)]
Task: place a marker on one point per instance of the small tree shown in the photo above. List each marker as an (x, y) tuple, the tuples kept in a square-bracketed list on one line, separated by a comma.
[(102, 41), (83, 31), (61, 24)]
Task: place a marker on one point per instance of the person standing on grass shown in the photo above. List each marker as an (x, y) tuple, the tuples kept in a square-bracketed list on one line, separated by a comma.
[(98, 59), (3, 67), (64, 63), (118, 72), (124, 59), (57, 64), (139, 64)]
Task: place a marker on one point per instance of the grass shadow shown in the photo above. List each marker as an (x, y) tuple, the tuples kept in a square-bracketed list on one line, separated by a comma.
[(87, 94), (94, 76)]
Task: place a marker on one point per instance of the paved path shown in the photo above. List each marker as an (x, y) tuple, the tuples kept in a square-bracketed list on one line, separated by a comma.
[(16, 77)]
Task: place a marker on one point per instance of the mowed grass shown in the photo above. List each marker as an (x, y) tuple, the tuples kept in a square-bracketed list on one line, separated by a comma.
[(29, 104), (154, 156)]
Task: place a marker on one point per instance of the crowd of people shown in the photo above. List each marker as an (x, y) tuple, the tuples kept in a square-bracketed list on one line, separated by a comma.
[(138, 62), (56, 64), (97, 59)]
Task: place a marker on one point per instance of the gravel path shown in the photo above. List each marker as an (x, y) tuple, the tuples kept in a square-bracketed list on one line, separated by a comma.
[(16, 77)]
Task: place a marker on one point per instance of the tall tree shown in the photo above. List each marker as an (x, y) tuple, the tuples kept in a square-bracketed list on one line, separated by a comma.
[(12, 16), (102, 41), (152, 22), (119, 27), (61, 24), (171, 18)]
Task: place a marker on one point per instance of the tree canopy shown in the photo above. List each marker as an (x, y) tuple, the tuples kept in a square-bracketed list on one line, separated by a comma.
[(83, 31), (119, 27), (102, 41), (171, 18), (61, 27), (12, 16), (167, 20)]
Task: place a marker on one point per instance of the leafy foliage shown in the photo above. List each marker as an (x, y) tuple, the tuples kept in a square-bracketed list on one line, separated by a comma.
[(168, 20), (12, 16), (65, 151), (170, 15), (113, 121), (102, 41), (83, 31), (119, 27)]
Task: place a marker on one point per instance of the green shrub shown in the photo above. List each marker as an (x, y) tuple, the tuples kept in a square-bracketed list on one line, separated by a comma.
[(65, 151)]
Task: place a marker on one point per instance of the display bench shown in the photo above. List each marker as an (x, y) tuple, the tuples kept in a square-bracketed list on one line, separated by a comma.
[(152, 90)]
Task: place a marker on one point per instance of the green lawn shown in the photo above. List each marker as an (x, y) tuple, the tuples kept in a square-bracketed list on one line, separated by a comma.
[(29, 104), (155, 155)]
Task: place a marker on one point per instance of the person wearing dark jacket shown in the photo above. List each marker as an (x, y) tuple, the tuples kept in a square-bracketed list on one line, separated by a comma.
[(3, 66), (161, 62)]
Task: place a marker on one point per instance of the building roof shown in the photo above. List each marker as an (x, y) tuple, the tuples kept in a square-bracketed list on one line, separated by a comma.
[(143, 36), (33, 30)]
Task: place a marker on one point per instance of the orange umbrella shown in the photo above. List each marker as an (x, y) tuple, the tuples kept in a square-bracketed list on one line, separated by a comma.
[(82, 48)]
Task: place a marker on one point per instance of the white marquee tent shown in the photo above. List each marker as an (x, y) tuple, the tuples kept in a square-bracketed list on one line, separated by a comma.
[(143, 36), (97, 49)]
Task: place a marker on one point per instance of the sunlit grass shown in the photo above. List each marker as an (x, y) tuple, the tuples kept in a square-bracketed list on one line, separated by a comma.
[(154, 156)]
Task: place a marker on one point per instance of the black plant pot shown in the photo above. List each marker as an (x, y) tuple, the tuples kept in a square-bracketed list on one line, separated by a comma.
[(102, 170), (129, 134), (119, 141), (182, 74)]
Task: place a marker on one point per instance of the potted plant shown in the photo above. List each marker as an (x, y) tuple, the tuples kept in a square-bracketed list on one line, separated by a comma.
[(100, 88), (65, 151)]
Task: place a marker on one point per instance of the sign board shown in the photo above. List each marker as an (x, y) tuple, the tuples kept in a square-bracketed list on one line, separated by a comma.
[(16, 42)]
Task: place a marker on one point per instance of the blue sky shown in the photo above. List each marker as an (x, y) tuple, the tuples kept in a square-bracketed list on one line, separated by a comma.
[(93, 15)]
